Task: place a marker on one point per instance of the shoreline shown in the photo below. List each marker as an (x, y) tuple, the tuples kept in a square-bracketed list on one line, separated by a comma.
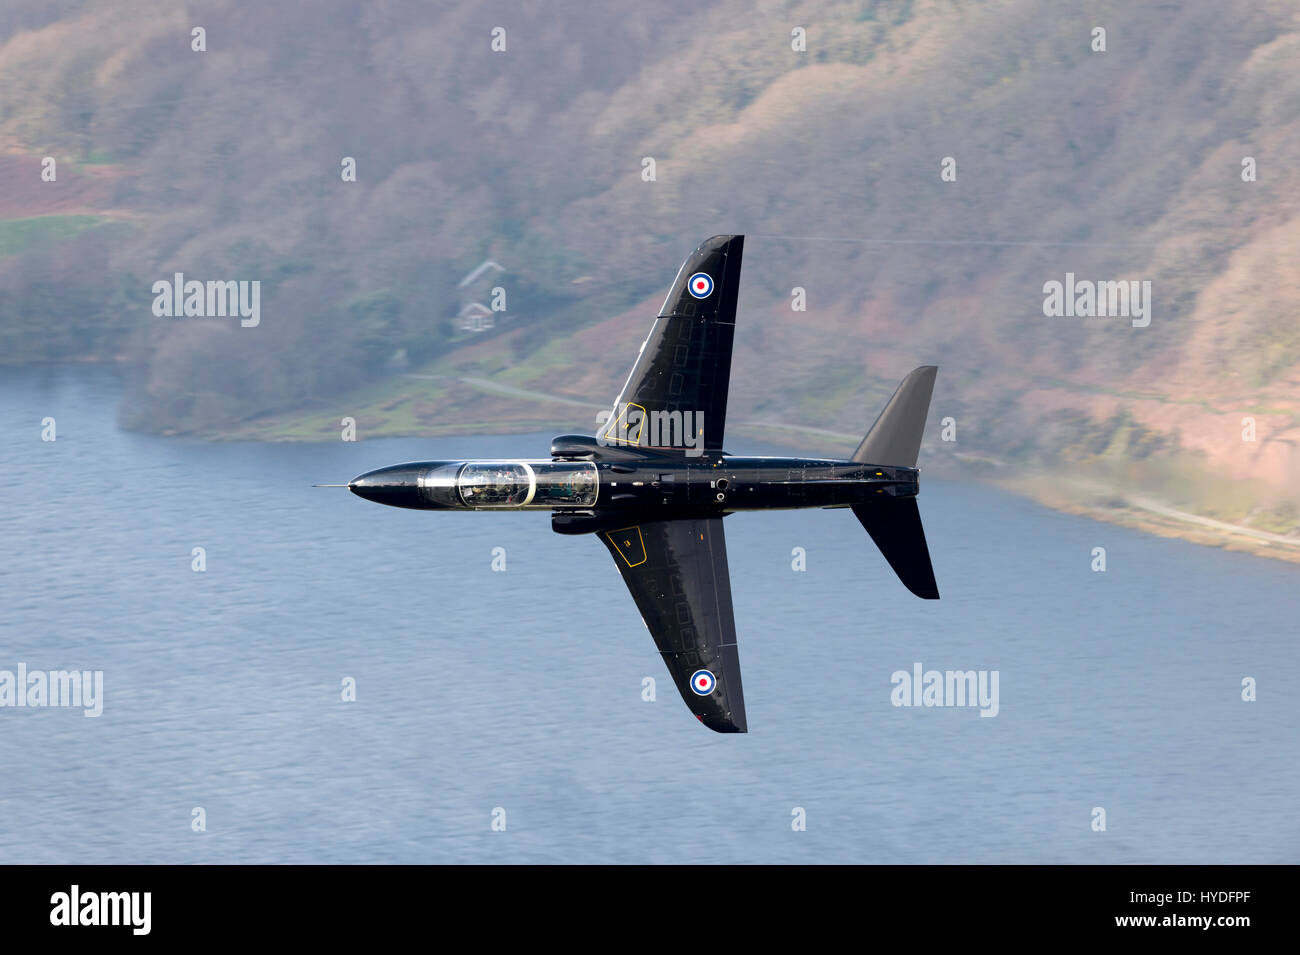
[(1114, 506), (1105, 502)]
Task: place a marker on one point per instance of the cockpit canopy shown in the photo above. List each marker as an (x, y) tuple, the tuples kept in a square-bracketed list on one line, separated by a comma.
[(481, 484), (495, 485), (565, 484)]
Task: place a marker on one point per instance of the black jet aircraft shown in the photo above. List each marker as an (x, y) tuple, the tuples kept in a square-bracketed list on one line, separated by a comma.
[(653, 484)]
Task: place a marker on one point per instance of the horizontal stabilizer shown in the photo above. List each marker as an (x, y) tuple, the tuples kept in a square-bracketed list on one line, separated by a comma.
[(895, 526)]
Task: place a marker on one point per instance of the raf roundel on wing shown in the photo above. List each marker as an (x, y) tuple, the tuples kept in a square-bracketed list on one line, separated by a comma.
[(700, 285), (702, 682)]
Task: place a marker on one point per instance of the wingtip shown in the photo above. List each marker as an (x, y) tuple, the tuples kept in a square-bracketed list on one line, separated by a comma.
[(723, 724), (721, 240)]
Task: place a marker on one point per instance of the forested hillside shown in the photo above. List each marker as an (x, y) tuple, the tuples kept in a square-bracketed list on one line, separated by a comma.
[(1125, 164)]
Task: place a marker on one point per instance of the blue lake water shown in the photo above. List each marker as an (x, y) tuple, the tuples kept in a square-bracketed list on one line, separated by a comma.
[(522, 690)]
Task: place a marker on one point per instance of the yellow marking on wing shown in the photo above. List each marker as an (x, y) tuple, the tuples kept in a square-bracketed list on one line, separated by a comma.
[(627, 542), (622, 418)]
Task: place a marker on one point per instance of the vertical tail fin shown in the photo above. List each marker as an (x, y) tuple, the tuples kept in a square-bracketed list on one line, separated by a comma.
[(895, 438), (894, 523)]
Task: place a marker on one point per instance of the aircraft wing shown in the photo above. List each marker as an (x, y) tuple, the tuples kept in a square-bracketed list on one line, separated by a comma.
[(685, 363), (677, 573)]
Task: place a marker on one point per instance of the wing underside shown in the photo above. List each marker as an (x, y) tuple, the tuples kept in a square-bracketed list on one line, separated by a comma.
[(677, 573), (678, 384)]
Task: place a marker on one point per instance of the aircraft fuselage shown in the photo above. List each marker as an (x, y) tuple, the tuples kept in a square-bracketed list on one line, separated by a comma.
[(647, 484)]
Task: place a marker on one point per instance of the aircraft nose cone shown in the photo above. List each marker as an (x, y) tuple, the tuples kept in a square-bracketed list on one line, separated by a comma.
[(396, 486)]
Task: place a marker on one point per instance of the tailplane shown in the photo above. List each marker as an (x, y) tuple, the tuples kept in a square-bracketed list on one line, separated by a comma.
[(894, 523)]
